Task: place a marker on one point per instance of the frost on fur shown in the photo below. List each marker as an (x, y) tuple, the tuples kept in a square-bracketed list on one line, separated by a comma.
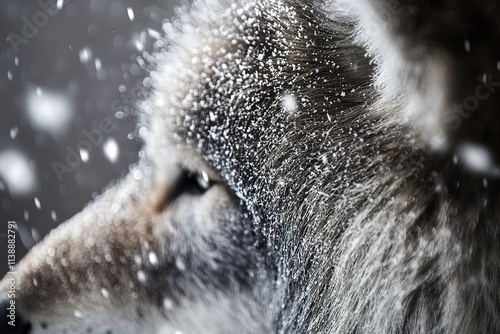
[(302, 174)]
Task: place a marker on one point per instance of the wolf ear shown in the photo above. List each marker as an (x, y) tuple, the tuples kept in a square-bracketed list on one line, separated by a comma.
[(441, 61)]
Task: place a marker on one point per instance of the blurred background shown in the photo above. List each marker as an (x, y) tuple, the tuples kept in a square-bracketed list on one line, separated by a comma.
[(70, 72)]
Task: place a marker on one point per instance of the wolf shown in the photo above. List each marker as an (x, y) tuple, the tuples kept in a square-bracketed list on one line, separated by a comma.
[(309, 167)]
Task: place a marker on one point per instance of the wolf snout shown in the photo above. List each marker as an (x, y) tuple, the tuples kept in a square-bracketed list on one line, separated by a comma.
[(13, 322)]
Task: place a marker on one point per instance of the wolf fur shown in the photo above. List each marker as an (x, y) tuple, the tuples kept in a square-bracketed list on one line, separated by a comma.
[(309, 167)]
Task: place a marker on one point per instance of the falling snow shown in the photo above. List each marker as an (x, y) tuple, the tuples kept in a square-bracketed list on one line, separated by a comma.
[(84, 154), (130, 13), (111, 149), (37, 203), (98, 64), (13, 132), (49, 111), (467, 46), (85, 55), (289, 103), (180, 264), (168, 304), (35, 235), (476, 158), (105, 293), (16, 172), (154, 34), (141, 276), (153, 259)]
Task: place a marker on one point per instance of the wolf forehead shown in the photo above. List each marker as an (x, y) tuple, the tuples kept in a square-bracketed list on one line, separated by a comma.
[(242, 79)]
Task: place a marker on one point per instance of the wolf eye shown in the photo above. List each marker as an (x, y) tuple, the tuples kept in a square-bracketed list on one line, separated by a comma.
[(186, 183), (194, 183), (202, 181)]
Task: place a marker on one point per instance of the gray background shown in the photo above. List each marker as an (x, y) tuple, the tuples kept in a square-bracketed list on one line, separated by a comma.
[(51, 60)]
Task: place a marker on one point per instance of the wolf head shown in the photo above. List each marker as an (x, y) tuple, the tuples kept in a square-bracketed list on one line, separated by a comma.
[(309, 167)]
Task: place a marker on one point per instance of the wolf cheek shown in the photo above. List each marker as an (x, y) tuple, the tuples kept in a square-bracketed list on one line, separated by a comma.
[(140, 251)]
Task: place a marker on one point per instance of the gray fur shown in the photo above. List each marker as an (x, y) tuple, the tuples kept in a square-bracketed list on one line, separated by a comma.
[(339, 197)]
